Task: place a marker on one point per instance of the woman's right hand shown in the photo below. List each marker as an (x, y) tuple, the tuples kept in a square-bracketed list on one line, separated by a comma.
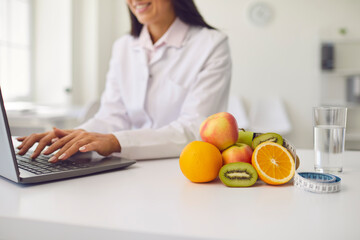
[(43, 140)]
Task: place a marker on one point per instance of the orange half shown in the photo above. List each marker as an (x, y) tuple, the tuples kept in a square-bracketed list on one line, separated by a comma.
[(274, 163)]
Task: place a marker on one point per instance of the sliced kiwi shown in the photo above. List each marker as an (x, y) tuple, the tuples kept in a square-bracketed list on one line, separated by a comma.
[(297, 162), (266, 137), (238, 174)]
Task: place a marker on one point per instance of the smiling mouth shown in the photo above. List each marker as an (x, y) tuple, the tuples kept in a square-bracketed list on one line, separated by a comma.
[(141, 7)]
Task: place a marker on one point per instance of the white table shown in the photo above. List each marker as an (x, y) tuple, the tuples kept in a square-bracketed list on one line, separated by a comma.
[(153, 200)]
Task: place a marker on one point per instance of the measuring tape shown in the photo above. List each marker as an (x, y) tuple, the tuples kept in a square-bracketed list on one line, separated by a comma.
[(317, 182), (312, 181)]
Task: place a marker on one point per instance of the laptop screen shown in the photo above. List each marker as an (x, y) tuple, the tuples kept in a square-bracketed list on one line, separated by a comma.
[(7, 164)]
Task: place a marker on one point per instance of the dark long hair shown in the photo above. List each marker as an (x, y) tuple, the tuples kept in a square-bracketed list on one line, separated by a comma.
[(186, 10)]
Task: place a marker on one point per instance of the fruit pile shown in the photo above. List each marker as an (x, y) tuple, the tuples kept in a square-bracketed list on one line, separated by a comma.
[(238, 157)]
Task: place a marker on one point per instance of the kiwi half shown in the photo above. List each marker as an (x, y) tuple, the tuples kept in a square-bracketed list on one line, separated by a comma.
[(266, 137), (238, 174)]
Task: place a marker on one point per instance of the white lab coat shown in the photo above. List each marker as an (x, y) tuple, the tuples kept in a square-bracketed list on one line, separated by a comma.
[(154, 109)]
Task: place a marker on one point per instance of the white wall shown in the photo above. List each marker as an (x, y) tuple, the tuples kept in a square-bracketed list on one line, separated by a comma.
[(278, 59), (282, 58), (52, 50), (96, 25), (72, 48), (85, 52)]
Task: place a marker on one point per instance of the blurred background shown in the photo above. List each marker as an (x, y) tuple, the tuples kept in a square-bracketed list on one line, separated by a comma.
[(288, 56)]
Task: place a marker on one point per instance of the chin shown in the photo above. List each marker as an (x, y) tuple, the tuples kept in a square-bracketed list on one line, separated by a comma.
[(145, 19)]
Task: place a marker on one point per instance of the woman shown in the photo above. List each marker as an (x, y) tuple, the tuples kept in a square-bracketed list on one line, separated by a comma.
[(164, 79)]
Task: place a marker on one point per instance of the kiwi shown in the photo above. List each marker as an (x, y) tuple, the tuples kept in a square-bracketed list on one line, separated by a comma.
[(238, 174), (272, 137), (297, 162)]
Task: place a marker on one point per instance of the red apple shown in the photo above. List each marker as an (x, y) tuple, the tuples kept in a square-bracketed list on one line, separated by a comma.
[(240, 152), (220, 129)]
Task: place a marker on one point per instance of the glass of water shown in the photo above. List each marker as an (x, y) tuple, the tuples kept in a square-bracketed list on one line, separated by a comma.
[(329, 138)]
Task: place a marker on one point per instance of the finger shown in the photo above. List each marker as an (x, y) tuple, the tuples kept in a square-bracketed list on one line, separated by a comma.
[(60, 133), (88, 147), (54, 139), (29, 142), (60, 153), (42, 144), (71, 151), (104, 144), (23, 141), (59, 144), (97, 147), (20, 139), (68, 150), (20, 146), (26, 140)]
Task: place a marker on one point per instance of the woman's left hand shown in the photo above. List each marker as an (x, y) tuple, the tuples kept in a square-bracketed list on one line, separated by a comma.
[(83, 141)]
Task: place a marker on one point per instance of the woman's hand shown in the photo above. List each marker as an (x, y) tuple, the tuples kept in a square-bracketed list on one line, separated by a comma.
[(44, 139), (80, 140)]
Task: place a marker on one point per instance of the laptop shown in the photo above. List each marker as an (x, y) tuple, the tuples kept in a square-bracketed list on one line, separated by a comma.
[(24, 170)]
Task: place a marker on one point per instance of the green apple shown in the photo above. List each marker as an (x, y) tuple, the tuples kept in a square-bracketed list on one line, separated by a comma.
[(245, 137)]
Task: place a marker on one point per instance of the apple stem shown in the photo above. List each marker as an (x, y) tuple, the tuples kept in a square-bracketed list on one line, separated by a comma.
[(242, 129)]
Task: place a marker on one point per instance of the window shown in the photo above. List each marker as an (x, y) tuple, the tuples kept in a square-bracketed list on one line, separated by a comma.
[(15, 49)]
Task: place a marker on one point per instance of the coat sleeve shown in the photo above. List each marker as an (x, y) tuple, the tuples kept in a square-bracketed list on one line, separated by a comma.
[(207, 95), (112, 115)]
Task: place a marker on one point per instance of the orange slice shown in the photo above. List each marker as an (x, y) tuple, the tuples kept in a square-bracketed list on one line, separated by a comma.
[(274, 163)]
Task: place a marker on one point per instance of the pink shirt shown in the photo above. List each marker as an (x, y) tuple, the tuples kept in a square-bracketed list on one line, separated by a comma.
[(174, 36)]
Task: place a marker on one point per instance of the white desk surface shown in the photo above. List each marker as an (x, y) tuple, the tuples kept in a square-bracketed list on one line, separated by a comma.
[(153, 200)]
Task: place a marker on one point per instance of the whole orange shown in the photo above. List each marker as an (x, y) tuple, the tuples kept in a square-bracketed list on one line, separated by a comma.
[(200, 161)]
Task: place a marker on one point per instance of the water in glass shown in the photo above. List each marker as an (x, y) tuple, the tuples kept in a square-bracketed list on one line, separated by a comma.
[(329, 141)]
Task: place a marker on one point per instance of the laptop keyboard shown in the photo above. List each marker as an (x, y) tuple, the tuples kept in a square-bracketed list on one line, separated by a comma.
[(40, 165)]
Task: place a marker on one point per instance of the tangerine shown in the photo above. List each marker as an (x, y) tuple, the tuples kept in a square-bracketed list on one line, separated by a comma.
[(200, 161), (274, 163)]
